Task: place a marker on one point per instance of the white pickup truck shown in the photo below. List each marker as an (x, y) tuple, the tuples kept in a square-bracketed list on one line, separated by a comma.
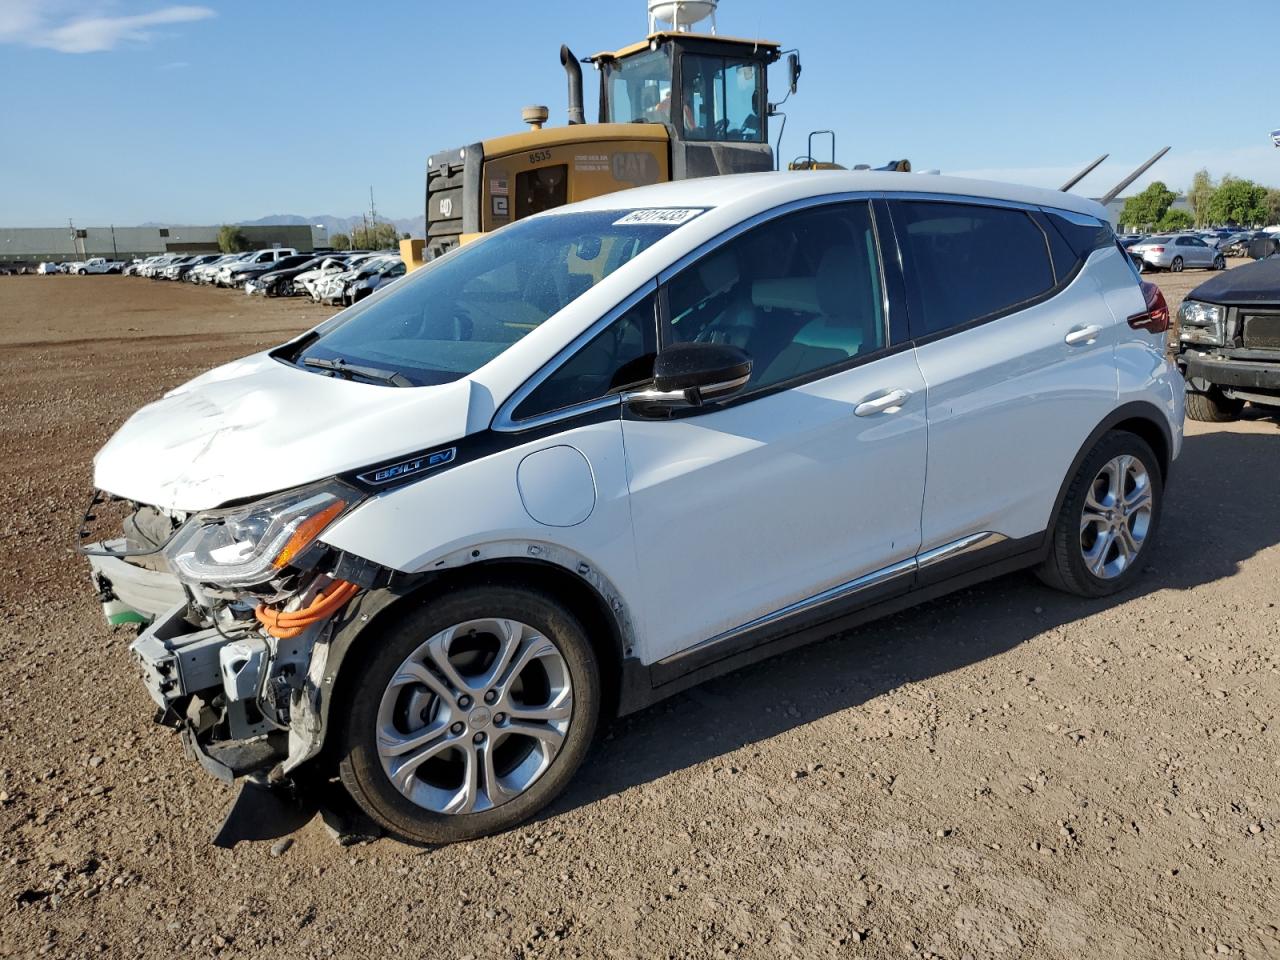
[(96, 265)]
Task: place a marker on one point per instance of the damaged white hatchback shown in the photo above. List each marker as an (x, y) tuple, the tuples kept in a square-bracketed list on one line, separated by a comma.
[(614, 449)]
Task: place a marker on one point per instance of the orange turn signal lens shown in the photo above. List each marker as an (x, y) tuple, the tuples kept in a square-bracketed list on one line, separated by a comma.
[(307, 531)]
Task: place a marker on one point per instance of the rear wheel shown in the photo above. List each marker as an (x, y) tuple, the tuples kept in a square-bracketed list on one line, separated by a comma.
[(472, 713), (1213, 406), (1176, 266), (1108, 518), (1219, 262)]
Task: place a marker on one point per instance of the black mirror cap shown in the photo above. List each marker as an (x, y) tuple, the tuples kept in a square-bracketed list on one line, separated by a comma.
[(708, 369)]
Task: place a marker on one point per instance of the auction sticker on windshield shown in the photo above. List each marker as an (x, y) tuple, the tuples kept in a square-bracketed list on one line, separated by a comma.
[(665, 217)]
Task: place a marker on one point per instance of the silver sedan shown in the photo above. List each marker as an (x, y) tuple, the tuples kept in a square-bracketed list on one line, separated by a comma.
[(1176, 252)]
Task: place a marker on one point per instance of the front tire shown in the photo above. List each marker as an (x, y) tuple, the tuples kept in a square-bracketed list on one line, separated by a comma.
[(1213, 406), (1108, 518), (471, 713)]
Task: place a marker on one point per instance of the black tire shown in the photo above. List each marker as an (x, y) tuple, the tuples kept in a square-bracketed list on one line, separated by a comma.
[(1176, 265), (1219, 262), (355, 717), (1213, 406), (1065, 568)]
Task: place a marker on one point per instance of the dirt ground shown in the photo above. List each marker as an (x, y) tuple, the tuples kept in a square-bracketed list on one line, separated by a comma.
[(1006, 772)]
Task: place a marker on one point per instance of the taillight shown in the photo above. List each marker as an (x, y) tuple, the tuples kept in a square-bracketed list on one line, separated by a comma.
[(1155, 249), (1156, 319)]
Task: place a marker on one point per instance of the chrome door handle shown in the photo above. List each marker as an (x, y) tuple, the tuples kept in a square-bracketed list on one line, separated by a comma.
[(1083, 335), (890, 402)]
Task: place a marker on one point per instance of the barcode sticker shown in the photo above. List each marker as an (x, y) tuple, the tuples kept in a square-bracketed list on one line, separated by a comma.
[(670, 218)]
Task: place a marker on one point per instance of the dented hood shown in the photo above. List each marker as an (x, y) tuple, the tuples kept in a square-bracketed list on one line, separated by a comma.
[(257, 426)]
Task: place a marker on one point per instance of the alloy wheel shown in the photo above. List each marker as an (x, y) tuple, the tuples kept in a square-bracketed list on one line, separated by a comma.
[(1176, 266), (1116, 517), (474, 716)]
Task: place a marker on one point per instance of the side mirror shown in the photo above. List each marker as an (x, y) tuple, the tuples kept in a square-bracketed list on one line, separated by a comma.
[(793, 70), (690, 374)]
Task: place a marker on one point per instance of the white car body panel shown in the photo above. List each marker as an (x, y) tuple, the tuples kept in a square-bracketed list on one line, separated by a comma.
[(742, 511), (1014, 377)]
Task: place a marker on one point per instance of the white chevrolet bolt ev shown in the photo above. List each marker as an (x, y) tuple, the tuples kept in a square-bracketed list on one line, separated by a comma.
[(615, 449)]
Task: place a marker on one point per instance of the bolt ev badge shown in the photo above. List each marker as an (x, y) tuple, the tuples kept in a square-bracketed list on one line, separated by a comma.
[(408, 467)]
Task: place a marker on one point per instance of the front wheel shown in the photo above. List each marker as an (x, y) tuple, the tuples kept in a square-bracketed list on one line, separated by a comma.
[(1177, 265), (1107, 520), (472, 712)]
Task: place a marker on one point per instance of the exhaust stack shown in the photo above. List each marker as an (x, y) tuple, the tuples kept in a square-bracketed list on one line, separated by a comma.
[(573, 71)]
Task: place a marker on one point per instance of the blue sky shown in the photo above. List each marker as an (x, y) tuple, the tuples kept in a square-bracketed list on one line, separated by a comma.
[(120, 111)]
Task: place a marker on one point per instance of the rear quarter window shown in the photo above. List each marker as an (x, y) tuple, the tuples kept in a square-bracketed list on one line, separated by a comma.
[(968, 262)]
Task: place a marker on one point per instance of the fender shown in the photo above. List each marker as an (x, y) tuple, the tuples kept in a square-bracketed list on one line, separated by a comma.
[(1135, 410), (335, 645)]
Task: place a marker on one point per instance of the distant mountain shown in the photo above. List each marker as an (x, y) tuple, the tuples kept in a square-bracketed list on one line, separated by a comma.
[(414, 226)]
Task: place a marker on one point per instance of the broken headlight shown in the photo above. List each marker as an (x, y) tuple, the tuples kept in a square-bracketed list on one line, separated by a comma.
[(1201, 322), (252, 544)]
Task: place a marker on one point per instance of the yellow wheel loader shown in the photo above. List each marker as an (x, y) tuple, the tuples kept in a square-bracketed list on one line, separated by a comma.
[(673, 106)]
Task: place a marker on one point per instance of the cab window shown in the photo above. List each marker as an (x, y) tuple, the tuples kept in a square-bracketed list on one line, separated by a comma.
[(800, 294), (638, 88), (722, 98)]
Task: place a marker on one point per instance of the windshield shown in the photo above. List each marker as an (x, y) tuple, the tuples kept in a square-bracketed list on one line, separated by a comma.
[(639, 87), (451, 317)]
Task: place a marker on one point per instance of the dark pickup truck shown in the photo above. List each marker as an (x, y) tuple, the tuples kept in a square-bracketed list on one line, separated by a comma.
[(1229, 341)]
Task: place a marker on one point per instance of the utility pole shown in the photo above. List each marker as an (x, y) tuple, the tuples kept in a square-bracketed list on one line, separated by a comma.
[(115, 254)]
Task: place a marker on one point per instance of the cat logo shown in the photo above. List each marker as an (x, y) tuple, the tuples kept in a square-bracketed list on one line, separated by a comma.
[(637, 169)]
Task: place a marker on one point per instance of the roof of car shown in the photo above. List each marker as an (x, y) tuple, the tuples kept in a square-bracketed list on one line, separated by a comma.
[(757, 189)]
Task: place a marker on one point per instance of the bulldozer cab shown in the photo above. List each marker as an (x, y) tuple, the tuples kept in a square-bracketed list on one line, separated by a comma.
[(711, 93), (674, 106)]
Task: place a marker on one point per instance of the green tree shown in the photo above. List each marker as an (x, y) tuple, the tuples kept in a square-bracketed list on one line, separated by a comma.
[(375, 236), (1238, 201), (231, 239), (1148, 207), (340, 241), (1199, 196), (1175, 220), (1273, 206)]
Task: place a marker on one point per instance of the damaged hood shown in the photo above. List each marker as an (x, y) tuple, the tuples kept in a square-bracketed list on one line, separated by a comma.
[(1253, 284), (257, 426)]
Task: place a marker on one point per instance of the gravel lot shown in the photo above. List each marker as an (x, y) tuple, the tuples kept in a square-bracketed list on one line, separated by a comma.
[(1006, 772)]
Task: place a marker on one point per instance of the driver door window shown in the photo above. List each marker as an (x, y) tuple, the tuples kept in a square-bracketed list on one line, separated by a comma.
[(800, 294)]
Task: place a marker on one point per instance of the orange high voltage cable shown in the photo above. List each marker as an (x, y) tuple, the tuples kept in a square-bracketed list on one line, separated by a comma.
[(286, 624)]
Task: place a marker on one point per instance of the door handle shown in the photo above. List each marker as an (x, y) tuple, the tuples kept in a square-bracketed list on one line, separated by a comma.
[(1083, 336), (890, 402)]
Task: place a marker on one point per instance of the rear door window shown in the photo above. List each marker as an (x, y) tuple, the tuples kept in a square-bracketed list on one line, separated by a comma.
[(966, 263)]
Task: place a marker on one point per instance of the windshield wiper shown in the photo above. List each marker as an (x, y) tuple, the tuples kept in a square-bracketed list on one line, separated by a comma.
[(342, 368)]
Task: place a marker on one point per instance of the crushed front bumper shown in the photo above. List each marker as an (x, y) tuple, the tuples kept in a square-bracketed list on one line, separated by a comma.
[(1245, 374), (130, 593), (229, 694)]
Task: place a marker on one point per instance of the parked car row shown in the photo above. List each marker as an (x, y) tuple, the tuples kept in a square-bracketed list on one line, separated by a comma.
[(80, 267), (340, 278), (1199, 248)]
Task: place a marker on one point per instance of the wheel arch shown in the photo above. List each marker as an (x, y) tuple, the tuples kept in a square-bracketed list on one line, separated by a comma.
[(1145, 420), (584, 591)]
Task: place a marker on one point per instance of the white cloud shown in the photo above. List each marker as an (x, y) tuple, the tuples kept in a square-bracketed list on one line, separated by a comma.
[(55, 26), (1260, 162)]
